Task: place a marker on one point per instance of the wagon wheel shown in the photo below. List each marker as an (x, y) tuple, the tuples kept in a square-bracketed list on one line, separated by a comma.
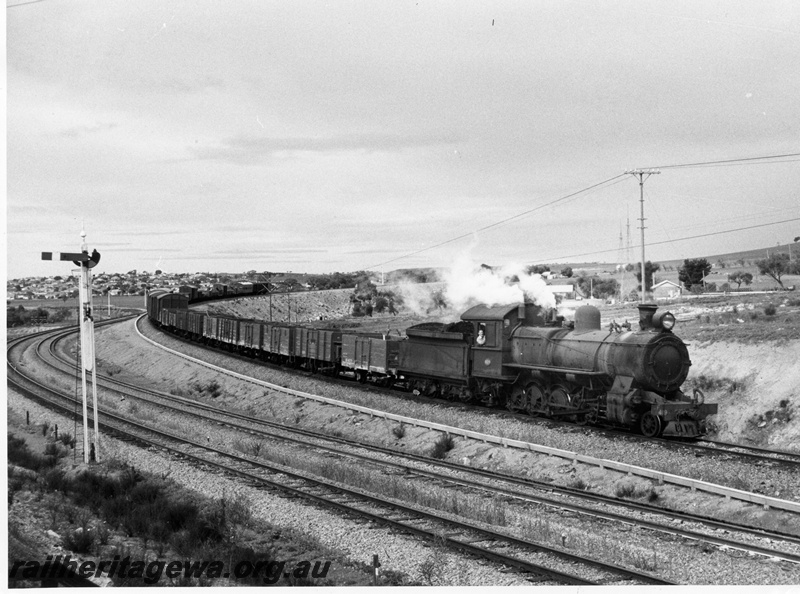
[(466, 396), (651, 425), (432, 390), (536, 399)]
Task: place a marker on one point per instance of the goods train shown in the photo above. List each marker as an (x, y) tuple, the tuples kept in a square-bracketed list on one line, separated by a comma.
[(519, 356)]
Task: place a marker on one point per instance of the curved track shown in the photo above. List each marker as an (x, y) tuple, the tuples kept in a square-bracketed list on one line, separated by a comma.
[(471, 478), (471, 538)]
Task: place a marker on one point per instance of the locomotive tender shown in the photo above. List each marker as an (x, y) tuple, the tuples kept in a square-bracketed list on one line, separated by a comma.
[(519, 356)]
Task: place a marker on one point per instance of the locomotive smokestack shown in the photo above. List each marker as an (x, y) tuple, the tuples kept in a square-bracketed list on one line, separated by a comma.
[(646, 311)]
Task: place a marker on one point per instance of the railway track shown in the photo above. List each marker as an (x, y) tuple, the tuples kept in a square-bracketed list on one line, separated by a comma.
[(702, 447), (756, 496), (474, 539), (502, 485)]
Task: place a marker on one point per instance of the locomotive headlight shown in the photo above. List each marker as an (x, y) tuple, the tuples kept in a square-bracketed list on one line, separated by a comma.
[(664, 320)]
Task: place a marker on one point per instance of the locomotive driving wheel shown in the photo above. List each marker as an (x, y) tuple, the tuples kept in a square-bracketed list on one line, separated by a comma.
[(519, 400), (560, 399), (536, 399), (578, 402), (651, 425)]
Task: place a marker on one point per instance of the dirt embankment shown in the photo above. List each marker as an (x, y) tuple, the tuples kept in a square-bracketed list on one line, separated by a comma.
[(757, 387)]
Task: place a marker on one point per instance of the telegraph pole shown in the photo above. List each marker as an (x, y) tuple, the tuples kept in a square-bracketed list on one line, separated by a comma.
[(643, 174), (86, 263)]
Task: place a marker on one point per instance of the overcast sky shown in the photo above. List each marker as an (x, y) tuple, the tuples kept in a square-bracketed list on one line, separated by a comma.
[(318, 137)]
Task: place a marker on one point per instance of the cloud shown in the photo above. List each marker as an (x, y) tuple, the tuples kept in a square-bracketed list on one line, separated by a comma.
[(78, 131), (249, 149)]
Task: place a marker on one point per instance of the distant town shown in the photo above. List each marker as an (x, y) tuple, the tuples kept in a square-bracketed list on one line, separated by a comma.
[(132, 283), (669, 279)]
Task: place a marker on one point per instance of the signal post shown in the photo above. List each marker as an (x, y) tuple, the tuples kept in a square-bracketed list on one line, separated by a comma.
[(86, 262)]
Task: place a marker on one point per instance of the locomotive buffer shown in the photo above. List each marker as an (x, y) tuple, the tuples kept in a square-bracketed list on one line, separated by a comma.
[(86, 263)]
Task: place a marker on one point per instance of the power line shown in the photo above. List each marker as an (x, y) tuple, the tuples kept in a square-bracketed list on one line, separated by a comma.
[(24, 3), (787, 157), (741, 161), (496, 224), (555, 258)]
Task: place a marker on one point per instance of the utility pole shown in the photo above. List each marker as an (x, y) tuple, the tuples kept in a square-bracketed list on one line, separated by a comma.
[(643, 174), (86, 263)]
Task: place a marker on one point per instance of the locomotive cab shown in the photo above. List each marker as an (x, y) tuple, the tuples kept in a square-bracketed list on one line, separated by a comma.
[(491, 353)]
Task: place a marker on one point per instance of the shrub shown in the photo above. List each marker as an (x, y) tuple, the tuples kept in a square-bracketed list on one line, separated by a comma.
[(442, 445), (145, 492), (20, 454), (80, 540), (214, 389), (55, 480), (67, 439), (633, 490), (399, 431), (769, 309), (579, 483), (179, 514), (103, 533), (52, 453)]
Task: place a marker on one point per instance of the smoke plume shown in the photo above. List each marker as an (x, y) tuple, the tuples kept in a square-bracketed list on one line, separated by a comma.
[(467, 284)]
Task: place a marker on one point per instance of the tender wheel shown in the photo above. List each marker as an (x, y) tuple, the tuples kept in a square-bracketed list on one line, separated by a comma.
[(466, 396), (651, 425)]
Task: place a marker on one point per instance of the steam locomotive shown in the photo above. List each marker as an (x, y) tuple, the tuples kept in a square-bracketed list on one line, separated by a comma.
[(519, 356)]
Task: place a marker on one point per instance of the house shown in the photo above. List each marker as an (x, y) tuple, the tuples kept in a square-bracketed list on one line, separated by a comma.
[(563, 291), (667, 290)]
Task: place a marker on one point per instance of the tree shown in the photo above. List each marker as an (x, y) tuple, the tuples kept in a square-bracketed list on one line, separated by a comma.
[(366, 290), (740, 277), (566, 272), (606, 288), (693, 272), (594, 286), (381, 303), (775, 267), (650, 268), (537, 269)]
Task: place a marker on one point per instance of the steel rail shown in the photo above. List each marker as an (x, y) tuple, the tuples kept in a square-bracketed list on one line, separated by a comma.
[(661, 477), (523, 482), (468, 546)]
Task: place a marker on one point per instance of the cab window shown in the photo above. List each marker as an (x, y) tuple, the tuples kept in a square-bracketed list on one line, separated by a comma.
[(486, 335)]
